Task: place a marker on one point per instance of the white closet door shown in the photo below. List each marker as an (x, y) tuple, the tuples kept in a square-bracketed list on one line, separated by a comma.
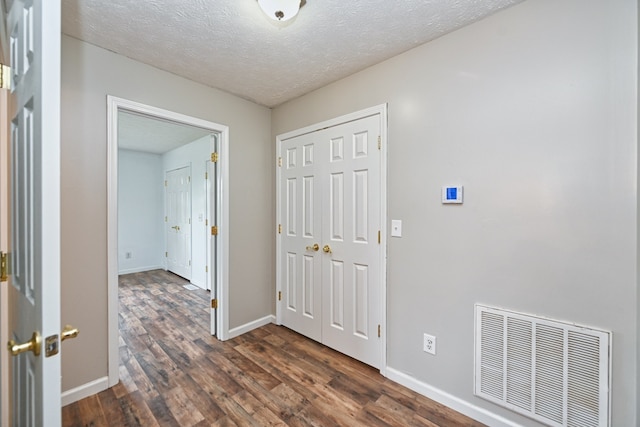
[(300, 258), (330, 197), (350, 223)]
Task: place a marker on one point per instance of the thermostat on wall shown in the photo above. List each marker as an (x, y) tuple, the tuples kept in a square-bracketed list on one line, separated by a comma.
[(452, 194)]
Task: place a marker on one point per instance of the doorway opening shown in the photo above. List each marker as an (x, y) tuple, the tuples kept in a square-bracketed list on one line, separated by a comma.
[(216, 194)]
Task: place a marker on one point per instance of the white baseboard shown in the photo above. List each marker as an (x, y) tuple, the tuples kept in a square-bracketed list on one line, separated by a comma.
[(140, 269), (453, 402), (85, 390), (251, 326)]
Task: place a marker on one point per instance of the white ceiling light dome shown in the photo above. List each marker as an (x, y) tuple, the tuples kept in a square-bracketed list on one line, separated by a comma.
[(280, 10)]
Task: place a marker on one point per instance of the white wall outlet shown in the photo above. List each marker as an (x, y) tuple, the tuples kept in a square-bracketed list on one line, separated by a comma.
[(430, 344)]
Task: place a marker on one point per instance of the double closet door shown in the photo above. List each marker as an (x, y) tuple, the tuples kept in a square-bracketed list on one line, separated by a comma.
[(330, 252)]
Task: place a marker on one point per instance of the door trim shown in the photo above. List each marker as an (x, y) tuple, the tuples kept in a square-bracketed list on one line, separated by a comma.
[(4, 247), (221, 279), (376, 110)]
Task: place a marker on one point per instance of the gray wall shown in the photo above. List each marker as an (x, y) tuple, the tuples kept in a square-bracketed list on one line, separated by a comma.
[(140, 208), (89, 74), (533, 110)]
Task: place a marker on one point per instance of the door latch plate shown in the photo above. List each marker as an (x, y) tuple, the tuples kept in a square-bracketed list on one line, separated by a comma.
[(51, 346)]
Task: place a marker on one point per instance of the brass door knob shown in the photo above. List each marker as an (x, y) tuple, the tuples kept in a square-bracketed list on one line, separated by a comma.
[(33, 345), (69, 332), (326, 249), (315, 247)]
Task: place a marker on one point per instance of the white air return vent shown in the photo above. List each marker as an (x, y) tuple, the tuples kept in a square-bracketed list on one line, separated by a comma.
[(554, 372)]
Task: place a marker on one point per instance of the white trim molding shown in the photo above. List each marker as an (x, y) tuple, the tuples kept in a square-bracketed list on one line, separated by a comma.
[(472, 411), (243, 329), (85, 390), (141, 269), (220, 275)]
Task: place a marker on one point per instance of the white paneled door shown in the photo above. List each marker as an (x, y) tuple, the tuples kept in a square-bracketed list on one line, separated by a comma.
[(301, 211), (330, 260), (34, 282), (178, 221)]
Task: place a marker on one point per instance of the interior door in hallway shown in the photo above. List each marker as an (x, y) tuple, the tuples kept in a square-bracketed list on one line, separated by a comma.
[(330, 197), (34, 279), (178, 221)]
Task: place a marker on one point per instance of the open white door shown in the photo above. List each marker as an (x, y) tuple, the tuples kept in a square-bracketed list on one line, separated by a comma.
[(34, 282)]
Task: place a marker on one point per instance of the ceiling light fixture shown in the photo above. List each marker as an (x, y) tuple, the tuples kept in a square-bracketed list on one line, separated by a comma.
[(281, 10)]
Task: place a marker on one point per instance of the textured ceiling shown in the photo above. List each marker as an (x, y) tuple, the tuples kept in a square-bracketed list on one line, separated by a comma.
[(143, 133), (231, 45)]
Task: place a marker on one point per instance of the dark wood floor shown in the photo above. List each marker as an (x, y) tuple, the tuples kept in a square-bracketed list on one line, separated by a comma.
[(173, 373)]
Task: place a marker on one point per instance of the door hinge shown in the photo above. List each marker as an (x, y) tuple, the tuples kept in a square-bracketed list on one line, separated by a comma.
[(214, 157), (166, 254), (206, 175), (189, 262), (214, 303), (379, 142), (188, 179), (165, 219), (379, 331), (206, 222), (214, 230), (189, 220), (279, 228), (4, 267), (165, 182), (280, 162), (379, 237), (5, 76), (206, 268), (279, 295)]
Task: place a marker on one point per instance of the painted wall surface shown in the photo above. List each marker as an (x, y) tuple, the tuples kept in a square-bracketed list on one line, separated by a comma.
[(89, 74), (195, 155), (534, 111), (140, 211)]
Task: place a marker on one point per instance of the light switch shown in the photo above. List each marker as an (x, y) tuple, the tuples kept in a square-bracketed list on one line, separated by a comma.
[(396, 228)]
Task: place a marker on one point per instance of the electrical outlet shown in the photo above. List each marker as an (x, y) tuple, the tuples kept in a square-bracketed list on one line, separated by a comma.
[(430, 344)]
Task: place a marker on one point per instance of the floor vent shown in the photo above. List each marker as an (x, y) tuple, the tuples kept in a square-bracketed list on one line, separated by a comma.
[(554, 372)]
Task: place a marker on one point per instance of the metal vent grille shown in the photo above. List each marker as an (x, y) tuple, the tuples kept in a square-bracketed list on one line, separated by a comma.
[(554, 372)]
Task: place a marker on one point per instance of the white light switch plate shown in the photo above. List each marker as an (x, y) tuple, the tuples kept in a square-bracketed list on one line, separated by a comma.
[(396, 228)]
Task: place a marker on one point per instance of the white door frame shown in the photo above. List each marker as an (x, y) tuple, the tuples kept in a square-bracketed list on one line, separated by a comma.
[(4, 247), (221, 279), (382, 111)]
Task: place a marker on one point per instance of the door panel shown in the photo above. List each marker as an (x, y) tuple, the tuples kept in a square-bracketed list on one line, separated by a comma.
[(34, 293), (300, 261), (331, 196), (352, 221), (178, 224)]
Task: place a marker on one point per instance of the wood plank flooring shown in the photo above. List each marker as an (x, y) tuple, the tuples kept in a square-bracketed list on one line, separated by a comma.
[(173, 373)]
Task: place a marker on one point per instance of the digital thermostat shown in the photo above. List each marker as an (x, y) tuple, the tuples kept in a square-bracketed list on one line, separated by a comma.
[(452, 194)]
